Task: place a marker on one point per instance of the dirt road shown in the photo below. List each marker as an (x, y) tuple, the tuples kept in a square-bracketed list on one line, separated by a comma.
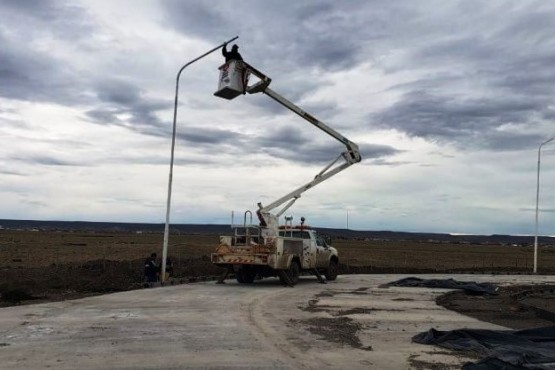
[(350, 323)]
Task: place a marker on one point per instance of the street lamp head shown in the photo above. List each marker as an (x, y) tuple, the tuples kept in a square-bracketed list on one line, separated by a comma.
[(547, 141)]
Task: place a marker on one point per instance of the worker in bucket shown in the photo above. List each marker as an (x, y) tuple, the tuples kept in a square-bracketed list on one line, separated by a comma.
[(234, 55), (231, 55)]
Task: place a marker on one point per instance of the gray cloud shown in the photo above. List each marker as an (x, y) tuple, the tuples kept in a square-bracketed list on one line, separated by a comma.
[(34, 76), (14, 173), (323, 154), (385, 162), (55, 16), (47, 160), (27, 70), (475, 79), (302, 32), (509, 65), (285, 137), (209, 136), (124, 104), (290, 143), (470, 122), (478, 80), (118, 92), (375, 151)]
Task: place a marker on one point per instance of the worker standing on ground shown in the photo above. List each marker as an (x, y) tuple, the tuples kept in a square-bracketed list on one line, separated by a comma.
[(231, 55), (151, 269)]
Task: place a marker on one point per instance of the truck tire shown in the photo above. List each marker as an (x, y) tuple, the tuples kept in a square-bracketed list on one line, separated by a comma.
[(331, 271), (245, 276), (239, 277), (283, 277), (294, 272)]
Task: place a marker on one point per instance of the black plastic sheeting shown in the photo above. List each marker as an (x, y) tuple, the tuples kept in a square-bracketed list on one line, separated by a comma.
[(468, 286), (505, 349)]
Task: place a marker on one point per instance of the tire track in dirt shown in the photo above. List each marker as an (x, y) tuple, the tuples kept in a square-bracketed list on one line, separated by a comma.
[(270, 337)]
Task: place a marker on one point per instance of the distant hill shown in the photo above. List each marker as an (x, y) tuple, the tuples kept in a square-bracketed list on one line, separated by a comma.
[(112, 226), (225, 229), (436, 237)]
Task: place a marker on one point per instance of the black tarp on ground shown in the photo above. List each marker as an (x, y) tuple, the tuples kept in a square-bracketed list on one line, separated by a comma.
[(468, 286), (505, 349)]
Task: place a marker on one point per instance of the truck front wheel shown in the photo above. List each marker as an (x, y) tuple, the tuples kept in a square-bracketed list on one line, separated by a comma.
[(331, 271)]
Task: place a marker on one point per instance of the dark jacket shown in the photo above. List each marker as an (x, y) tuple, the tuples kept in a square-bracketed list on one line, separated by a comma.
[(231, 55), (151, 269)]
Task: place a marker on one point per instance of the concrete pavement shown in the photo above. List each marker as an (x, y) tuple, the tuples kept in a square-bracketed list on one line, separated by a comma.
[(351, 323)]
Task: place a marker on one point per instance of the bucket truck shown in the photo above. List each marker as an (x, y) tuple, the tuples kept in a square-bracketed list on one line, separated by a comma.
[(268, 249)]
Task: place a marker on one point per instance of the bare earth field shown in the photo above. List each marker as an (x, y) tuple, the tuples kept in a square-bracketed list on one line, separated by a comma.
[(39, 266)]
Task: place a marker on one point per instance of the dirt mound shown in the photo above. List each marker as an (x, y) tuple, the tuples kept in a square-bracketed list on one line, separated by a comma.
[(73, 280), (509, 308)]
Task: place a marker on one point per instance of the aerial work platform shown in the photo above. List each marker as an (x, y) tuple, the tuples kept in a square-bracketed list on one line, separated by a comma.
[(233, 79)]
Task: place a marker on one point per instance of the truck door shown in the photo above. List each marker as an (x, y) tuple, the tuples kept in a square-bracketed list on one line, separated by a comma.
[(322, 252), (309, 251)]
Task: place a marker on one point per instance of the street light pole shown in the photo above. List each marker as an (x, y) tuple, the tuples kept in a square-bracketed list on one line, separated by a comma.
[(167, 227), (537, 206)]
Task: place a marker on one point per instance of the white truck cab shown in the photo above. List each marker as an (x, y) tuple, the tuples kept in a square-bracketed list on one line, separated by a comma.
[(317, 252)]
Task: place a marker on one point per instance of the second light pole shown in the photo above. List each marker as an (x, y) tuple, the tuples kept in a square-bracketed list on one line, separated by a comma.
[(537, 206)]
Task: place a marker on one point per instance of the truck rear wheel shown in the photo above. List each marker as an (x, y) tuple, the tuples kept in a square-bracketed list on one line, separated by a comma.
[(245, 276), (290, 277), (239, 277), (331, 271)]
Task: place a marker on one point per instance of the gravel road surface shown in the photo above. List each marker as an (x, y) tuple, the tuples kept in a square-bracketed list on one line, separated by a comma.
[(351, 323)]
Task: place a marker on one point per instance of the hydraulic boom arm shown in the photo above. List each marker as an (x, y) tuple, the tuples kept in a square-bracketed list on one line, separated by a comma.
[(350, 156)]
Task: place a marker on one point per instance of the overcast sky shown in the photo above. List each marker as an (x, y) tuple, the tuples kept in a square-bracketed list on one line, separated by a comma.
[(448, 101)]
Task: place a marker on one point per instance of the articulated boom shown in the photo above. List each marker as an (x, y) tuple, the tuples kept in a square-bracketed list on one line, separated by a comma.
[(350, 156)]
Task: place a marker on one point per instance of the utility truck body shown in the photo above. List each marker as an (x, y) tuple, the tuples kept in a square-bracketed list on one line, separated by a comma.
[(294, 250)]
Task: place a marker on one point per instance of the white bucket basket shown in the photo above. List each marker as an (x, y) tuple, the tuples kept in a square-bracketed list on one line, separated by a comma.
[(232, 80)]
